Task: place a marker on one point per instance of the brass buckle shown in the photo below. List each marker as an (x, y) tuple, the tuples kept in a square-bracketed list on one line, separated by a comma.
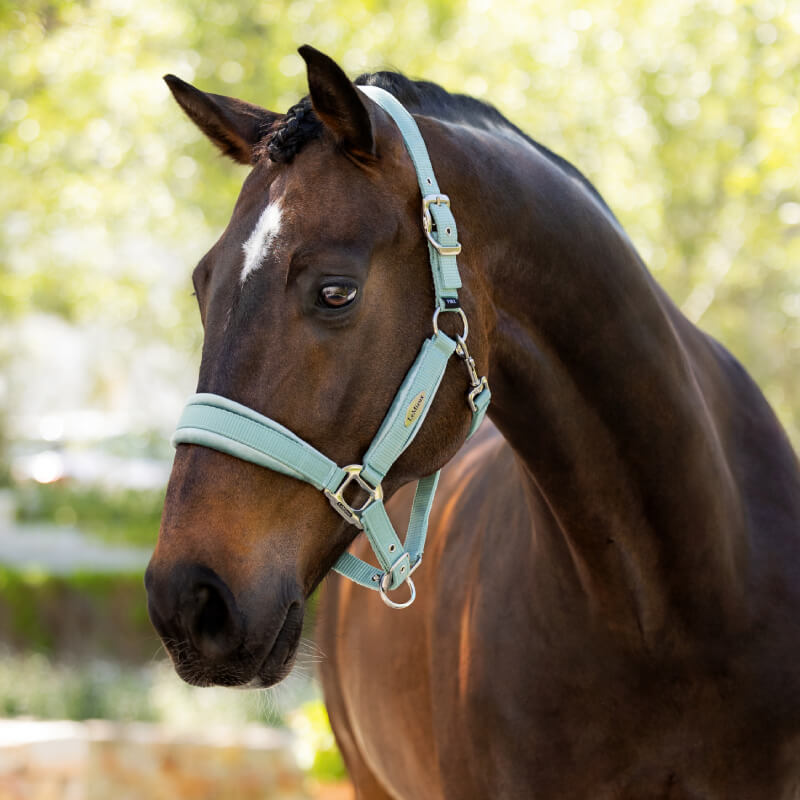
[(342, 507), (427, 223)]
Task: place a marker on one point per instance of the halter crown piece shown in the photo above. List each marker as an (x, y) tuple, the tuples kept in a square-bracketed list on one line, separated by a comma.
[(219, 423)]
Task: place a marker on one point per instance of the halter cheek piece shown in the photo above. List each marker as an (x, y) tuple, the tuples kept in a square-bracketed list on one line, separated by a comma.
[(214, 421)]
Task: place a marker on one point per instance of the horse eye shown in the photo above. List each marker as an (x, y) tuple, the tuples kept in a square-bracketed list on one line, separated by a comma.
[(337, 296)]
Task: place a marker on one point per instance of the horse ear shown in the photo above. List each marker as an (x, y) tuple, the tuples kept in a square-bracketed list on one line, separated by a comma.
[(338, 103), (233, 125)]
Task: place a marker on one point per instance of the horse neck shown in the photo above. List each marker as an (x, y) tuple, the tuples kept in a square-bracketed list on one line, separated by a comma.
[(606, 393)]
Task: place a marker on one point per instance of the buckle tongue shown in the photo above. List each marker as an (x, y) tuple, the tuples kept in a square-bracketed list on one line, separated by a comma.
[(353, 513)]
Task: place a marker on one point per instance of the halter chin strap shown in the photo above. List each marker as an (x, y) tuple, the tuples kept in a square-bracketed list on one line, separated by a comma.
[(216, 422)]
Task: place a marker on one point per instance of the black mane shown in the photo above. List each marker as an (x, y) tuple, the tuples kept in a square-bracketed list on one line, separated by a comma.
[(301, 125)]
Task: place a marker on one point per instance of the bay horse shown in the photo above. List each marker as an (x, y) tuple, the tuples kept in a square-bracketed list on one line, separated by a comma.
[(610, 604)]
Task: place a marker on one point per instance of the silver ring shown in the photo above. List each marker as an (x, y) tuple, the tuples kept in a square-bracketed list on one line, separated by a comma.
[(464, 333), (389, 602)]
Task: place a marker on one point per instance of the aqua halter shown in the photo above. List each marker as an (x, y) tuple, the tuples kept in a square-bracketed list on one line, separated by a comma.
[(216, 422)]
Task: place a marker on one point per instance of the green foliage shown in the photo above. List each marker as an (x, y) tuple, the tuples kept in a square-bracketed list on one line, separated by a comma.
[(684, 114), (77, 615), (32, 685), (317, 747), (121, 516), (27, 625)]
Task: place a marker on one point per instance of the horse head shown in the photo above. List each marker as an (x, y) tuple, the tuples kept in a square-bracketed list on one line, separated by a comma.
[(314, 303)]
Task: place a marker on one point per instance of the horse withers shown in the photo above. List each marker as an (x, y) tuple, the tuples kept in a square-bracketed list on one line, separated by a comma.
[(609, 604)]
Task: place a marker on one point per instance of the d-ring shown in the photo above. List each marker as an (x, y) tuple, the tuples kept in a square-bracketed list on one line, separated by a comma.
[(389, 602), (464, 333)]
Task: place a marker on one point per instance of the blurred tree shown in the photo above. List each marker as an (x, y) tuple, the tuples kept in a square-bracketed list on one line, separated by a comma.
[(685, 115)]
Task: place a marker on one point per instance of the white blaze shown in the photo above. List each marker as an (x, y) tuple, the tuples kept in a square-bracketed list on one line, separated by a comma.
[(258, 244)]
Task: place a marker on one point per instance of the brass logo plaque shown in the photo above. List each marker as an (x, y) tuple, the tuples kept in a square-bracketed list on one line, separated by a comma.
[(413, 411)]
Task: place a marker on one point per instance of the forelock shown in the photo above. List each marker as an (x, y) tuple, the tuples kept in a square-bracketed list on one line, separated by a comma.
[(290, 133)]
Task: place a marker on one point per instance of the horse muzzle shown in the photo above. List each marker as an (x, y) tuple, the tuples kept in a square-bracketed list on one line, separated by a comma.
[(216, 638)]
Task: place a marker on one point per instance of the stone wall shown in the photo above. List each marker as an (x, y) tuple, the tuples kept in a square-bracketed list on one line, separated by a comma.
[(99, 760)]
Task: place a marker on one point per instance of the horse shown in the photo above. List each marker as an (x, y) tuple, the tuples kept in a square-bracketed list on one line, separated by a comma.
[(609, 606)]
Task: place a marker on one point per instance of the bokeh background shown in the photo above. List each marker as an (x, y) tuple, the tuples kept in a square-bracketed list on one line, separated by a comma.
[(684, 115)]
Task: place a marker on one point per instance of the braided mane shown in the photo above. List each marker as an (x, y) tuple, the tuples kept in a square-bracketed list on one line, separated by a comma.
[(292, 132)]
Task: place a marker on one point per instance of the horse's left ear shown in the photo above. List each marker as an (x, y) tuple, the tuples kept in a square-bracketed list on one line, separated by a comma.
[(338, 103)]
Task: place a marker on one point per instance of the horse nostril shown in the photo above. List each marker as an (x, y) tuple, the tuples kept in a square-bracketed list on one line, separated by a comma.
[(211, 618), (212, 613)]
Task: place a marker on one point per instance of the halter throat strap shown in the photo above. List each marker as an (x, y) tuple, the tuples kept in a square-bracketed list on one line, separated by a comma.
[(214, 421)]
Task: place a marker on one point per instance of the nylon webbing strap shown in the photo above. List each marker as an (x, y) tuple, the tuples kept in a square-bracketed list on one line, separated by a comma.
[(222, 424), (409, 409), (446, 278)]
